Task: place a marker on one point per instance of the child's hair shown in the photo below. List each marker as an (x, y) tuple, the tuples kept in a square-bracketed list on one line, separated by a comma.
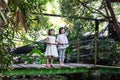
[(61, 29), (50, 30)]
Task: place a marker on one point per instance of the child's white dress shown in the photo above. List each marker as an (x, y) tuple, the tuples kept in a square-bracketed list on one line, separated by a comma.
[(51, 49)]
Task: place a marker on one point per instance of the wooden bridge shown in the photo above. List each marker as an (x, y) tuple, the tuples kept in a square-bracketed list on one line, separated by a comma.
[(40, 69)]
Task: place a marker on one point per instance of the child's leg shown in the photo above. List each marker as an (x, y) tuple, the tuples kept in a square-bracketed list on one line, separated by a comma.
[(60, 56), (63, 56), (52, 60), (47, 61)]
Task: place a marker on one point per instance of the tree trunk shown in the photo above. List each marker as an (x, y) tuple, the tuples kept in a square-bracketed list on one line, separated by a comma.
[(116, 27)]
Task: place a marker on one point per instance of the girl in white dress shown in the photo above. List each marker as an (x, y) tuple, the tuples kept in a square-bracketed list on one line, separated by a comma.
[(62, 44), (51, 49)]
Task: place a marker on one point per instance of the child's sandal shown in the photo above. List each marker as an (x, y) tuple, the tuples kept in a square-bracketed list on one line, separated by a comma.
[(62, 65), (51, 66), (47, 66)]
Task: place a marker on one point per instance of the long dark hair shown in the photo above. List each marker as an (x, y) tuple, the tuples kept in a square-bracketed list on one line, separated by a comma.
[(61, 29), (49, 31)]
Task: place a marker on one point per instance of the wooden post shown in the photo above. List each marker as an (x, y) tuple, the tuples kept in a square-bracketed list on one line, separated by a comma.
[(1, 76), (95, 44), (78, 60)]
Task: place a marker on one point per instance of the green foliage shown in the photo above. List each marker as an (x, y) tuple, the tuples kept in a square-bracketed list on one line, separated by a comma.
[(5, 44), (27, 59), (106, 45), (74, 8), (107, 48), (36, 55), (5, 61), (36, 51), (41, 77), (27, 19), (40, 46)]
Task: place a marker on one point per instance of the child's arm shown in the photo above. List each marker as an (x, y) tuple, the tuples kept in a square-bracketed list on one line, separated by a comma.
[(67, 32), (46, 40), (56, 41)]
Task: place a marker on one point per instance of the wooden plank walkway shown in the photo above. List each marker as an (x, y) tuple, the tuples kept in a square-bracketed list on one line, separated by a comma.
[(69, 65), (40, 69)]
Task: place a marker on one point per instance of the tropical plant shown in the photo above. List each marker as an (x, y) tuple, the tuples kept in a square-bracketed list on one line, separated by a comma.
[(16, 17)]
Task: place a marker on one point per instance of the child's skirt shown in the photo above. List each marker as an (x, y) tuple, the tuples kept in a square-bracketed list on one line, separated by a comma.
[(51, 50)]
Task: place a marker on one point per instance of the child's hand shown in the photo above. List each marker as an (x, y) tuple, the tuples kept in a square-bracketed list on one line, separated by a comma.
[(49, 43), (56, 43)]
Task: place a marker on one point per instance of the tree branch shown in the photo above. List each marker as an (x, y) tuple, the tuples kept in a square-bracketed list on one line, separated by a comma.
[(93, 9), (74, 17)]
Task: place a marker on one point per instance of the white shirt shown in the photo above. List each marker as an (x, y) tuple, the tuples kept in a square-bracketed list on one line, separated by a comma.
[(62, 39), (52, 39)]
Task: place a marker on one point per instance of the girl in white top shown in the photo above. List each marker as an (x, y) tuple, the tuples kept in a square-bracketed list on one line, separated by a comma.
[(51, 49), (62, 44)]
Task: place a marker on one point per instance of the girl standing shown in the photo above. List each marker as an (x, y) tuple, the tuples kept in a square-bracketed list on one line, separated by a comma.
[(62, 44), (51, 49)]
